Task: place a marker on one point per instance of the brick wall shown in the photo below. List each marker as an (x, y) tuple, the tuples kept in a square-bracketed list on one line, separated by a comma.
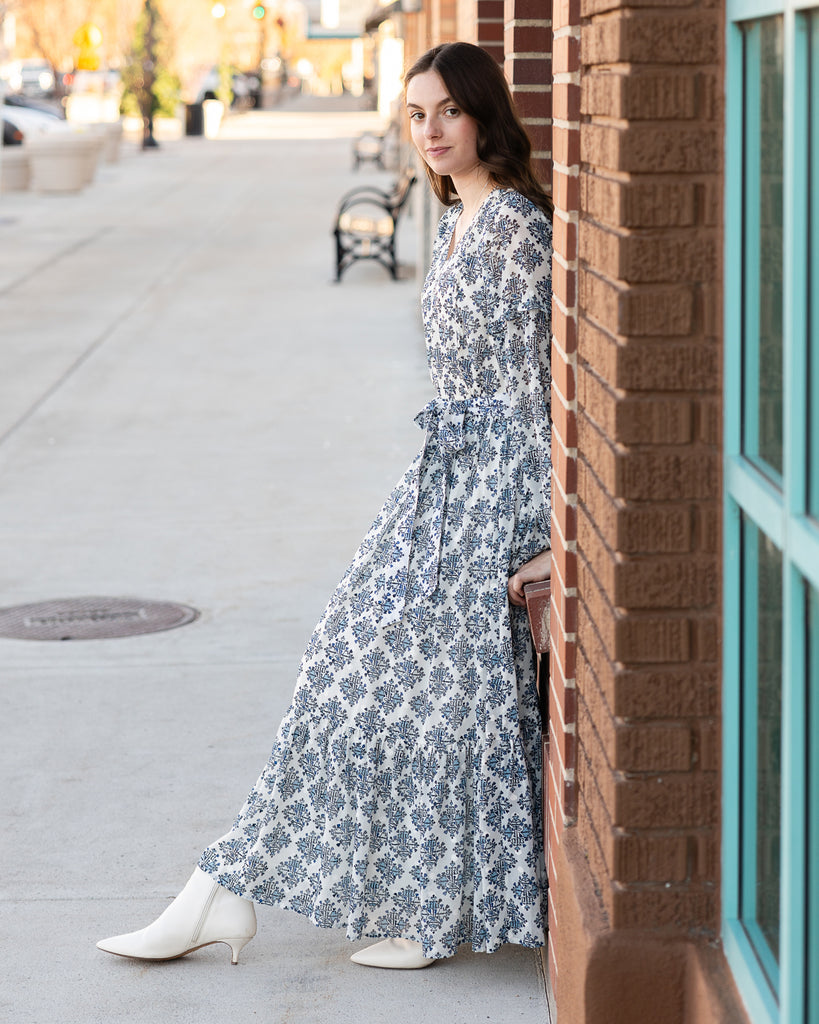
[(489, 26), (565, 170), (648, 435)]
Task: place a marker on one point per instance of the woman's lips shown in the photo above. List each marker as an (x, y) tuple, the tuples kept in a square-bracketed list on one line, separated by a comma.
[(437, 150)]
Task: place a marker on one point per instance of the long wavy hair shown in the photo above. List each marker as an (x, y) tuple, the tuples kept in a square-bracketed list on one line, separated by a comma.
[(476, 83)]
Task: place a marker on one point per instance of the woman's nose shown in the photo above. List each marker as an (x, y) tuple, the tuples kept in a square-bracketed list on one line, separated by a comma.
[(432, 128)]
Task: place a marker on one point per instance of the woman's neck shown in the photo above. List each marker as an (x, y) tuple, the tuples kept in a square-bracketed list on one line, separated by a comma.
[(472, 189)]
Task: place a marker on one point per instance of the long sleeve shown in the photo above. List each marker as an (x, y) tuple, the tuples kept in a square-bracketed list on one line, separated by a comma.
[(518, 248)]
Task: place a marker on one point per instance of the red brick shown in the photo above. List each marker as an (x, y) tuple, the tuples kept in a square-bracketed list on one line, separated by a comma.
[(492, 32), (526, 10), (651, 37), (660, 310), (533, 104), (566, 101), (542, 167), (643, 96), (564, 329), (643, 637), (492, 48), (489, 9), (563, 513), (566, 605), (540, 135), (634, 529), (589, 8), (565, 238), (565, 14), (563, 743), (566, 145), (645, 857), (660, 419), (564, 653), (565, 563), (666, 692), (708, 747), (564, 283), (564, 420), (529, 70), (706, 856), (685, 255), (643, 148), (565, 191), (640, 364), (527, 38), (565, 54), (653, 748), (674, 800), (682, 908), (639, 203), (563, 379)]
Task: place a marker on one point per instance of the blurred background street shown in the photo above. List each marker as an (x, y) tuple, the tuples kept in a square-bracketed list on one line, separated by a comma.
[(190, 410)]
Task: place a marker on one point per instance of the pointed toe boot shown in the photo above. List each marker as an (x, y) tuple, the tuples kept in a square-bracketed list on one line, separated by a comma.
[(203, 913)]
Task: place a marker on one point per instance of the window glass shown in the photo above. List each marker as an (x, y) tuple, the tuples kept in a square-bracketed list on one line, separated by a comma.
[(762, 243), (812, 809), (813, 265), (762, 703)]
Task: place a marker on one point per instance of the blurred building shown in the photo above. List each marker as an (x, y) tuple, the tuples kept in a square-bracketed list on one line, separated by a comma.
[(681, 145)]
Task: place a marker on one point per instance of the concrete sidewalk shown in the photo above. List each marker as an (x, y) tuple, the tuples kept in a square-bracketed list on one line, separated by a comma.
[(191, 411)]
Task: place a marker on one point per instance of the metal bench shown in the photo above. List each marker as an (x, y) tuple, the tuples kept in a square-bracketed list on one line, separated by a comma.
[(366, 222), (378, 148)]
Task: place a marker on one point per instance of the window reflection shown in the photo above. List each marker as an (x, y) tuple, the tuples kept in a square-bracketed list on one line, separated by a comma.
[(762, 263)]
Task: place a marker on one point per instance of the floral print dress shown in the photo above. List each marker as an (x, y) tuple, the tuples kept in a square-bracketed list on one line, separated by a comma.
[(403, 793)]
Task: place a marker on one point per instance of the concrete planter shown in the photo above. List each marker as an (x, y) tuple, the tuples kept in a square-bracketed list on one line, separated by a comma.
[(15, 171), (63, 161), (214, 111), (110, 132)]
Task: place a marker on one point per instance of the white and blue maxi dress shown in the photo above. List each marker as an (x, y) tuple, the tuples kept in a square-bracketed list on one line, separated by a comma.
[(403, 793)]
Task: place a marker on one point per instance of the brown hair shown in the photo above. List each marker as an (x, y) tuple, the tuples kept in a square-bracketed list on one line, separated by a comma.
[(475, 82)]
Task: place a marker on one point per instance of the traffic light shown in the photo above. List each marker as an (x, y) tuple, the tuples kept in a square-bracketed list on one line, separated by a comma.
[(259, 12)]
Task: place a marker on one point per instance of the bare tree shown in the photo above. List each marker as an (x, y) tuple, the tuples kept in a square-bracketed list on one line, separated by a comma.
[(51, 26)]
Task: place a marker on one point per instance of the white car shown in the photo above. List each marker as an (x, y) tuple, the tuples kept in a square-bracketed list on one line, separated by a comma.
[(32, 122)]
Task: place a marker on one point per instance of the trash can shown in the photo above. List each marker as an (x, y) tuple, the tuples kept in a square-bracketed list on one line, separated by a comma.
[(194, 119)]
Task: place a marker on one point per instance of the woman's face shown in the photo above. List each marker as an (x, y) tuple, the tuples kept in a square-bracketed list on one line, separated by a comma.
[(445, 136)]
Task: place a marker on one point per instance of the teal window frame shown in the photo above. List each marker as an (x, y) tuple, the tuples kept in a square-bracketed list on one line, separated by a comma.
[(786, 509)]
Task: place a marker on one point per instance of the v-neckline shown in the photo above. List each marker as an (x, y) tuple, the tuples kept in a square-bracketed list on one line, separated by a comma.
[(453, 245)]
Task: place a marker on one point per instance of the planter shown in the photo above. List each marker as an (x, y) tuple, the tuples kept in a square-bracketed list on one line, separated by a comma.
[(62, 161), (93, 153), (214, 111), (110, 132), (15, 171)]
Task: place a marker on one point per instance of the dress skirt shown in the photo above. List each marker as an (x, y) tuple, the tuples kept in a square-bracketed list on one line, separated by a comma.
[(403, 793)]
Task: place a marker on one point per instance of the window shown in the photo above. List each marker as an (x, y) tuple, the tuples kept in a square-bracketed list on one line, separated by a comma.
[(771, 527)]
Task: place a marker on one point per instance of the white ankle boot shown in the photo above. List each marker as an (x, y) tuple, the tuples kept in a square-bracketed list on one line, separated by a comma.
[(398, 954), (203, 913)]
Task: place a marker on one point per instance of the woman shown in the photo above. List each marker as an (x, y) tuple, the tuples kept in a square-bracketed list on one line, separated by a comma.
[(402, 798)]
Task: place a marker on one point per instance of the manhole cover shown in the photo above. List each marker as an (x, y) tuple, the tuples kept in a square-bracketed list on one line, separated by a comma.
[(91, 618)]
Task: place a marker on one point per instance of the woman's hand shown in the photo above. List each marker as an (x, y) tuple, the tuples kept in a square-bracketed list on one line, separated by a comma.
[(534, 571)]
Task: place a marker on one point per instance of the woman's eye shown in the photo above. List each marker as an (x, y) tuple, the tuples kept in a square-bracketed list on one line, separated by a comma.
[(416, 115), (452, 112)]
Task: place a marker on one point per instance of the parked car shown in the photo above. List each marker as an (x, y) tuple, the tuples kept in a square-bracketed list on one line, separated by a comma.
[(33, 77), (23, 122), (12, 136), (53, 107)]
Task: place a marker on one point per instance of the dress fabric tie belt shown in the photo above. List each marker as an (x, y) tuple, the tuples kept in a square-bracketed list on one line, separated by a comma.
[(446, 423)]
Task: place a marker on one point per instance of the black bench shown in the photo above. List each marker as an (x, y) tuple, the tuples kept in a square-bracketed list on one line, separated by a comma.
[(376, 147), (366, 222)]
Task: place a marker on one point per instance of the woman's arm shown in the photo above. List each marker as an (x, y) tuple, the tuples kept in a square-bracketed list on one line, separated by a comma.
[(537, 569)]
